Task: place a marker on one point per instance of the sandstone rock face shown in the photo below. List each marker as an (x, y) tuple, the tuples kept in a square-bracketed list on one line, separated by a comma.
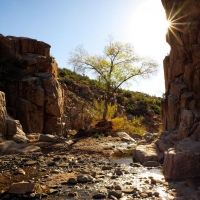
[(181, 68), (36, 99), (33, 55), (180, 110)]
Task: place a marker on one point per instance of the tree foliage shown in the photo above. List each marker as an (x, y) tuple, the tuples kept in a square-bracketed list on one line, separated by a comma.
[(99, 107), (118, 65), (129, 99)]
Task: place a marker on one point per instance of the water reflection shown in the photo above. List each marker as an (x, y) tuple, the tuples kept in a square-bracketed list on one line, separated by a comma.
[(122, 157), (154, 172), (142, 176), (126, 160)]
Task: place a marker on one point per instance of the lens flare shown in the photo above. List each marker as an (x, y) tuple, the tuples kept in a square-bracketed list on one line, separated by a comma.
[(176, 21)]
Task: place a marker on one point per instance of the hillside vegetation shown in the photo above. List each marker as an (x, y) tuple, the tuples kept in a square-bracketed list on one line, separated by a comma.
[(134, 108)]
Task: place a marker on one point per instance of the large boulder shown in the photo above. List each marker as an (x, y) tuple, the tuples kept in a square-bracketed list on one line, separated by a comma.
[(10, 128), (146, 152), (182, 161), (15, 131), (23, 188), (35, 137), (125, 137), (11, 147)]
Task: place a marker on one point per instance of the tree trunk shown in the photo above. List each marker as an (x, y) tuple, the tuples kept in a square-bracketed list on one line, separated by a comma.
[(105, 109)]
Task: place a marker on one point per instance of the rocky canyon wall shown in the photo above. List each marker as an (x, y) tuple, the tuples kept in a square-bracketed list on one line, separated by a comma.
[(181, 108), (181, 67), (28, 78), (3, 115)]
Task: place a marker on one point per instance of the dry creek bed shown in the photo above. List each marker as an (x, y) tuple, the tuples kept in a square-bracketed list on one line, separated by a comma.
[(90, 168)]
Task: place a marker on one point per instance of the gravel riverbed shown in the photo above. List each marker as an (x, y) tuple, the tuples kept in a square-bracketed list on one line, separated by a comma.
[(90, 168)]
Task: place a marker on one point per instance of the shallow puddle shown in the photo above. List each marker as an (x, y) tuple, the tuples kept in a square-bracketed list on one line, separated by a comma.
[(154, 172), (124, 158)]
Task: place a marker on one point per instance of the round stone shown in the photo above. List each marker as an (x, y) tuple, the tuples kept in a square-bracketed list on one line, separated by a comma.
[(99, 196), (72, 181), (143, 195), (31, 162)]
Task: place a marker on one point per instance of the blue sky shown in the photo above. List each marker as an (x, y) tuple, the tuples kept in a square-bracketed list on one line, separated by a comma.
[(64, 24)]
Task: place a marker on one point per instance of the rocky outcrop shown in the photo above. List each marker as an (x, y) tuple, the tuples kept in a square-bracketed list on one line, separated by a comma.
[(31, 55), (10, 129), (35, 97), (181, 108), (13, 140)]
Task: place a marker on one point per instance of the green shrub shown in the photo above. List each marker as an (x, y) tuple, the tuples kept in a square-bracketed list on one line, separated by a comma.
[(135, 103), (127, 94)]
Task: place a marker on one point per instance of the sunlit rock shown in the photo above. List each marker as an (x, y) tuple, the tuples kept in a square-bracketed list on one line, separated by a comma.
[(146, 152), (34, 97), (180, 108)]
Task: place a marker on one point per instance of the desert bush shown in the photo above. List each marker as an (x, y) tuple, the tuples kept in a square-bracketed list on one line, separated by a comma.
[(99, 109), (129, 126)]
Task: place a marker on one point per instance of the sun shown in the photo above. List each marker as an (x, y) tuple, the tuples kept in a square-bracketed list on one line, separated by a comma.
[(146, 29), (149, 28), (177, 21), (167, 24)]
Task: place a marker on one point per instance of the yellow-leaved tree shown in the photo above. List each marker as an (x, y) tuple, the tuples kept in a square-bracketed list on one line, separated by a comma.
[(118, 64)]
